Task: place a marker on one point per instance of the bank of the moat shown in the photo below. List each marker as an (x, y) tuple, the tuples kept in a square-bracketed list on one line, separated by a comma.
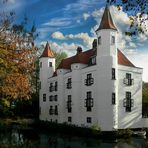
[(16, 136)]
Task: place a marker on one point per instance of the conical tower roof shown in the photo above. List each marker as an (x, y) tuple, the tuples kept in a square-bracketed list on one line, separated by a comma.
[(106, 22), (47, 52)]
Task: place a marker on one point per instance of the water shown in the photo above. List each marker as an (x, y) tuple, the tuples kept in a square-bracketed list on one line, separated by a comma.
[(14, 138)]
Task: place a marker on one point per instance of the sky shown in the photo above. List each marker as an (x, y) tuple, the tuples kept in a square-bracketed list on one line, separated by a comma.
[(67, 24)]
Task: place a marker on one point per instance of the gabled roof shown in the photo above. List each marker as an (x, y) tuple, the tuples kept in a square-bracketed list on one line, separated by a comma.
[(47, 52), (106, 22), (84, 58), (123, 60)]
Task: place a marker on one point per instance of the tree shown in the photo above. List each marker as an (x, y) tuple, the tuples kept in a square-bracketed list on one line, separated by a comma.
[(59, 56), (17, 57), (145, 92), (138, 14)]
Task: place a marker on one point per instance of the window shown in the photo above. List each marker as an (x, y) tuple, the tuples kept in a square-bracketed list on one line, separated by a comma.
[(40, 85), (99, 40), (56, 110), (89, 81), (69, 86), (50, 98), (51, 110), (44, 97), (128, 102), (69, 105), (55, 98), (56, 86), (51, 87), (69, 119), (113, 74), (50, 64), (89, 101), (113, 40), (40, 64), (113, 98), (93, 60), (128, 79), (88, 119)]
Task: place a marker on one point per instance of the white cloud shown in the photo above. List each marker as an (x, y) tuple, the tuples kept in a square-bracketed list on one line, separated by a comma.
[(87, 40), (58, 35), (122, 23), (70, 49), (58, 22), (140, 59), (86, 16)]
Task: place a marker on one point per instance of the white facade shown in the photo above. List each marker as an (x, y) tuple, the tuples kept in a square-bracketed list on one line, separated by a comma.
[(107, 94)]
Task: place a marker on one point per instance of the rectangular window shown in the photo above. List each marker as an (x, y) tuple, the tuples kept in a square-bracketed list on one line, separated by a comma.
[(89, 80), (69, 119), (50, 64), (88, 120), (44, 97), (69, 104), (99, 40), (93, 60), (113, 74), (55, 98), (113, 98), (40, 85), (69, 85), (56, 110), (113, 40), (51, 87), (128, 102), (89, 101), (51, 110), (50, 98), (56, 86)]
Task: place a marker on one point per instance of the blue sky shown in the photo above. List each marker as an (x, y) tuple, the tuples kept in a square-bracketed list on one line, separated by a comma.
[(67, 24)]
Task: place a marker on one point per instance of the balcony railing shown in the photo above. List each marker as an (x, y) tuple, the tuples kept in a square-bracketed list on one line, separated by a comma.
[(69, 85), (128, 102), (128, 82), (89, 81), (89, 102)]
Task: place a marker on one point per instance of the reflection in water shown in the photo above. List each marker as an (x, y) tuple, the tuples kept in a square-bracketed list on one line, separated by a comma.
[(14, 138)]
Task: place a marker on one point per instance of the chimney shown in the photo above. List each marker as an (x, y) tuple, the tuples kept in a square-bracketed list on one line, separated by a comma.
[(79, 49), (94, 44)]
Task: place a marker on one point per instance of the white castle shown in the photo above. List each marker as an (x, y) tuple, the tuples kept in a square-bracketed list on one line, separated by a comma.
[(98, 87)]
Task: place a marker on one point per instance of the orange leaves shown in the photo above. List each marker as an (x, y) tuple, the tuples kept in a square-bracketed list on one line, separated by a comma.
[(16, 86)]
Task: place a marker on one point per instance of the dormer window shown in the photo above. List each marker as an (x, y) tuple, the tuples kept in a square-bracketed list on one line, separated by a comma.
[(99, 40), (113, 40), (93, 60)]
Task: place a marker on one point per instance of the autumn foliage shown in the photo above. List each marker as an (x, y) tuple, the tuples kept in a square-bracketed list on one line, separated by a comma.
[(17, 57)]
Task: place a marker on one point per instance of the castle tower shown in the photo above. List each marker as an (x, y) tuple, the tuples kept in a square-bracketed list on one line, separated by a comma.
[(107, 72), (47, 68)]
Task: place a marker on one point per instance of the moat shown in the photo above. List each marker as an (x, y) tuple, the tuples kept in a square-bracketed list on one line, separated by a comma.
[(31, 138)]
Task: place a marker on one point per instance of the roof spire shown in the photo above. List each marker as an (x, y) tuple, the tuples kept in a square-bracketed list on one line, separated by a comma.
[(47, 51), (107, 22)]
